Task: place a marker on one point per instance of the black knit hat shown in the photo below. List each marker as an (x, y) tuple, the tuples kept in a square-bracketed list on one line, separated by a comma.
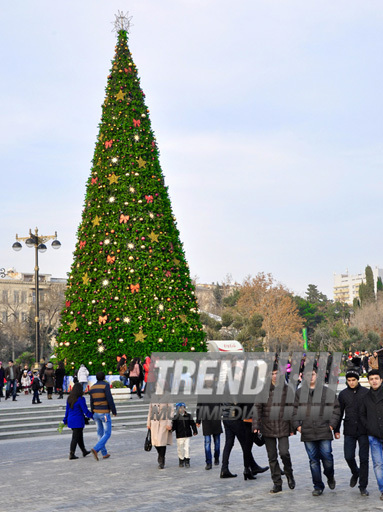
[(352, 374)]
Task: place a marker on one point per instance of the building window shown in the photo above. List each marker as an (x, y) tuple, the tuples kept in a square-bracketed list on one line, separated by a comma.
[(16, 297), (23, 297), (24, 317), (5, 295)]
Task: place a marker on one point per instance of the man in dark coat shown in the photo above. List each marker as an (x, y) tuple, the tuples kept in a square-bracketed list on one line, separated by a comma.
[(11, 376), (351, 400), (211, 426), (371, 416), (273, 431), (317, 433)]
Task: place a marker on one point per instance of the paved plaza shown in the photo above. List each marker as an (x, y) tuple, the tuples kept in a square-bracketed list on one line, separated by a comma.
[(36, 475)]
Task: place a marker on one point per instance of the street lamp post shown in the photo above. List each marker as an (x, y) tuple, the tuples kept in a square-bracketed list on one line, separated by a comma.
[(38, 242)]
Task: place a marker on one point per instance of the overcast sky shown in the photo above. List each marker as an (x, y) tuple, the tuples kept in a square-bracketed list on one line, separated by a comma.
[(268, 116)]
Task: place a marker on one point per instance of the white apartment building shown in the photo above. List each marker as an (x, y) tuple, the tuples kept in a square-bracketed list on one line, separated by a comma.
[(346, 286)]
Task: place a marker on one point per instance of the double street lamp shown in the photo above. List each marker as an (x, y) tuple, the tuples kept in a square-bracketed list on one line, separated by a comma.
[(38, 242)]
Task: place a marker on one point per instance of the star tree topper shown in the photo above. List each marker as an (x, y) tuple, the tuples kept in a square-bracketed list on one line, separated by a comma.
[(122, 22)]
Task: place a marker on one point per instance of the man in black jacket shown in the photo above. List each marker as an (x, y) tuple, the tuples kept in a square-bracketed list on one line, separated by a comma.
[(317, 431), (371, 415), (350, 400)]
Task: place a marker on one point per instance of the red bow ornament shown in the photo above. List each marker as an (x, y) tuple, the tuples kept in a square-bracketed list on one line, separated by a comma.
[(149, 199), (124, 218), (94, 181), (67, 303), (108, 143), (135, 288), (137, 122), (82, 244), (110, 259)]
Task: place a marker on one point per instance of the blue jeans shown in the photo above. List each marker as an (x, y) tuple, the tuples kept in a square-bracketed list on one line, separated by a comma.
[(104, 431), (320, 451), (217, 443), (12, 383), (377, 459), (123, 379)]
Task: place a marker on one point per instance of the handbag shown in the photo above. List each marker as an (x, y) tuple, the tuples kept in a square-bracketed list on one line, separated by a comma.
[(148, 441), (258, 439)]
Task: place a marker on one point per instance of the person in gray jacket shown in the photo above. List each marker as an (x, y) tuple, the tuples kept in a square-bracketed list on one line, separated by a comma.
[(317, 432), (275, 431)]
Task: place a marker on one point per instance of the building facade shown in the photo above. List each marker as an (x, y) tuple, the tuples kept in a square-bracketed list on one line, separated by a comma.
[(346, 286), (17, 305)]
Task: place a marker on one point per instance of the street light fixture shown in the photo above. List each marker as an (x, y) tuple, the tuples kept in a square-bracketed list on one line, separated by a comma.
[(38, 242)]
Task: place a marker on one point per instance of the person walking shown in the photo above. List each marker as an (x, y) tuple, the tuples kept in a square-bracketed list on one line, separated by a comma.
[(184, 426), (146, 368), (75, 413), (371, 417), (135, 375), (159, 423), (36, 386), (11, 376), (59, 378), (317, 433), (350, 400), (82, 376), (211, 427), (102, 404), (234, 425), (276, 432), (49, 379)]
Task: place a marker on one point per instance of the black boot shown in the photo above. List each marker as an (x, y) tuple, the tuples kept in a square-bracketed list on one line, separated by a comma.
[(248, 475), (85, 453), (187, 463), (72, 456), (256, 468), (290, 481), (181, 463), (161, 462), (225, 473)]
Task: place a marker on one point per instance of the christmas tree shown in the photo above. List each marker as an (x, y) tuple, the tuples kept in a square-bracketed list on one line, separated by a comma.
[(129, 290)]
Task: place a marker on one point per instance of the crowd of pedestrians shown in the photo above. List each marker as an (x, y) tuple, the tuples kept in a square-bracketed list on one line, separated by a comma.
[(359, 409)]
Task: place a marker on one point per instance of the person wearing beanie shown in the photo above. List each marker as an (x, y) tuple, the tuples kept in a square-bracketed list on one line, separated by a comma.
[(350, 400), (371, 416), (102, 404)]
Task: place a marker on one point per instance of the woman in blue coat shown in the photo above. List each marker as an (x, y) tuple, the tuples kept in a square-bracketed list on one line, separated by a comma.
[(76, 411)]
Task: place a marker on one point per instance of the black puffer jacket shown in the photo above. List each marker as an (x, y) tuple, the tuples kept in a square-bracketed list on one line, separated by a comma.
[(272, 427), (183, 425), (314, 427), (350, 401), (371, 412), (212, 424)]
